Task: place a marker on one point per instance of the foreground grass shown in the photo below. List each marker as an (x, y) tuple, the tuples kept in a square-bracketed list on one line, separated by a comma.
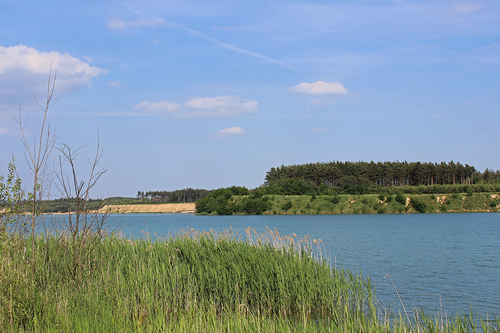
[(195, 282)]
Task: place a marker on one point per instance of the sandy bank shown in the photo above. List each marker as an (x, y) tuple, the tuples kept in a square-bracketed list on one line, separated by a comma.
[(159, 208)]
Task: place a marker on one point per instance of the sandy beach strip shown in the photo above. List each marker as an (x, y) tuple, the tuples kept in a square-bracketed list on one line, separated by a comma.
[(158, 208)]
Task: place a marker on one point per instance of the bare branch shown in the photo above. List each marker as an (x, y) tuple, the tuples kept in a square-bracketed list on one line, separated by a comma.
[(37, 156)]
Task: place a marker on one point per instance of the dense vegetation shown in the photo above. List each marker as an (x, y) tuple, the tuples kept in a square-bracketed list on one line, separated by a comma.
[(223, 202), (177, 196), (371, 177), (195, 282)]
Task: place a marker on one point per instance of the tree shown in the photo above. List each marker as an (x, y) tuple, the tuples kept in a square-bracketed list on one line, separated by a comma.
[(37, 155), (11, 199), (82, 231)]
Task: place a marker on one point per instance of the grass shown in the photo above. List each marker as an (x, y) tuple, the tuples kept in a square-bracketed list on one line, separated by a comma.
[(196, 282)]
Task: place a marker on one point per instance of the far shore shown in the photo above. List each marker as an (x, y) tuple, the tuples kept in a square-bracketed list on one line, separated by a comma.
[(144, 208), (184, 208)]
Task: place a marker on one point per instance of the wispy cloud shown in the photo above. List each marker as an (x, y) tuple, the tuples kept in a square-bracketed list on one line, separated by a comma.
[(229, 46), (115, 84), (318, 129), (465, 8), (120, 25), (320, 88), (228, 132), (157, 107), (221, 106)]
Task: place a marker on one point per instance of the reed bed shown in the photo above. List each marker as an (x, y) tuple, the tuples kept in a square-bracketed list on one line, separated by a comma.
[(196, 282)]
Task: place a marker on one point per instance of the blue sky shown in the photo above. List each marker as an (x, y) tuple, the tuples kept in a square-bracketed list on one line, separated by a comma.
[(209, 94)]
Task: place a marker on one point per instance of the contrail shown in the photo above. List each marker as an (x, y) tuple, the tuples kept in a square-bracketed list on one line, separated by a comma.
[(216, 41), (230, 47)]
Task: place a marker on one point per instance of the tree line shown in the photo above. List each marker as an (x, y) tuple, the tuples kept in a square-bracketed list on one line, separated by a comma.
[(336, 177), (177, 196), (385, 174)]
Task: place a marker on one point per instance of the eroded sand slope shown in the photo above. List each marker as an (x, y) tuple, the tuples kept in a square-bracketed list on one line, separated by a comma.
[(159, 208)]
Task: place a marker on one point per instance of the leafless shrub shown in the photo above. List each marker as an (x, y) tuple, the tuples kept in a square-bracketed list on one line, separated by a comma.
[(37, 156), (82, 230)]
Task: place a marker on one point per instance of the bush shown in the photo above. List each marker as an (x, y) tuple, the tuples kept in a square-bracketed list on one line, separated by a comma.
[(401, 198), (287, 205), (356, 190), (335, 199), (419, 205), (255, 205)]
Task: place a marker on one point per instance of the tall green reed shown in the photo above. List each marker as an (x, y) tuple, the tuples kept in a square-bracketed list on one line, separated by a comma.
[(198, 282)]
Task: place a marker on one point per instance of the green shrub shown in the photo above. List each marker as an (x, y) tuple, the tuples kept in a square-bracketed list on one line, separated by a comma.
[(335, 199), (419, 205), (400, 198), (287, 205)]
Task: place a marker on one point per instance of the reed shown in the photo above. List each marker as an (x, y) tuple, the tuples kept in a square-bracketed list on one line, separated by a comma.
[(196, 282)]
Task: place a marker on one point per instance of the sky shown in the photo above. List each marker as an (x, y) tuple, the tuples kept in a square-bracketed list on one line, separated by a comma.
[(210, 94)]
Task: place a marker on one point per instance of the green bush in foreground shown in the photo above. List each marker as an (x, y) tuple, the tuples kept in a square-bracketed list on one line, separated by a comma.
[(195, 282)]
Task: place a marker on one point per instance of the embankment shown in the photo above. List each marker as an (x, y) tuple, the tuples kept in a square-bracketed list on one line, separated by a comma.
[(143, 208), (374, 203)]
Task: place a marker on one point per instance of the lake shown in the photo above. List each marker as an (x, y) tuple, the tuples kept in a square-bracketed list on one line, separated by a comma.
[(436, 261)]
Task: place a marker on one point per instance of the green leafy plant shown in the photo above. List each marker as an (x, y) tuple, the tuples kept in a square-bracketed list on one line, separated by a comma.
[(419, 205), (335, 199), (287, 205), (400, 198)]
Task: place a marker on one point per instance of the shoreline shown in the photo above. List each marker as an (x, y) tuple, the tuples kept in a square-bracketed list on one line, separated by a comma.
[(183, 208), (173, 208)]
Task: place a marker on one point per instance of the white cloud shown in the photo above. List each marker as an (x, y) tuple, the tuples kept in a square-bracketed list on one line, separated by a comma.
[(3, 130), (228, 132), (88, 59), (120, 25), (319, 129), (24, 70), (157, 107), (219, 106), (115, 84), (465, 8), (320, 88), (232, 131)]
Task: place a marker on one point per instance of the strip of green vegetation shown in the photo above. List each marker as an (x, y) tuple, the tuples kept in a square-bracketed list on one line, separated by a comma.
[(351, 204), (194, 282)]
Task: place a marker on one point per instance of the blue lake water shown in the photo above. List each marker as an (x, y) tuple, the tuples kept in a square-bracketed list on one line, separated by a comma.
[(436, 261)]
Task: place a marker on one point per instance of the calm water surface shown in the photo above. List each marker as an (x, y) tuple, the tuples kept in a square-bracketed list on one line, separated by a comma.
[(436, 261)]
